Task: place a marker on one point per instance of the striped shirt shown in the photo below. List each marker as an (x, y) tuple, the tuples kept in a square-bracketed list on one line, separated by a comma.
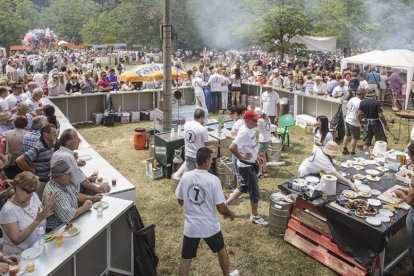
[(30, 139), (39, 159), (63, 153), (65, 208)]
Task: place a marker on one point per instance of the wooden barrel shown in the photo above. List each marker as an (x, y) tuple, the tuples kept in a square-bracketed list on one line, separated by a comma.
[(225, 171), (279, 214)]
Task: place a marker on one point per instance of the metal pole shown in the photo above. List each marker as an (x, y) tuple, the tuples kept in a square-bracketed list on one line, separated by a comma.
[(166, 55)]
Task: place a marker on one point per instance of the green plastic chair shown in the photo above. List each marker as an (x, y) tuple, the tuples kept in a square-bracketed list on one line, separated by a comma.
[(284, 123)]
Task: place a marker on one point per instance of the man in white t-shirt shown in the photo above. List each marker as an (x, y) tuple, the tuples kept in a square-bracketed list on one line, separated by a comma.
[(271, 104), (352, 124), (38, 77), (16, 96), (244, 147), (321, 160), (4, 92), (198, 85), (215, 81), (200, 194), (196, 136)]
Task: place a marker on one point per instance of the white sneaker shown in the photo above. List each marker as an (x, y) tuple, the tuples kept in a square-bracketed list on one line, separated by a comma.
[(259, 220), (235, 273)]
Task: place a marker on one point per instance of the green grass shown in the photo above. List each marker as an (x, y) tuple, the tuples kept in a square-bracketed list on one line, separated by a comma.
[(252, 250)]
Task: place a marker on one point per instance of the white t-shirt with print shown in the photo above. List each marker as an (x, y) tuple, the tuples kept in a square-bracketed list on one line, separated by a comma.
[(352, 108), (264, 126), (246, 143), (215, 81), (12, 100), (4, 106), (198, 85), (195, 137), (314, 164), (12, 213), (201, 191), (270, 100)]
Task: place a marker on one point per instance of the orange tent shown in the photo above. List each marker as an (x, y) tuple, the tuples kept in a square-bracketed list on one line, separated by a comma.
[(17, 48)]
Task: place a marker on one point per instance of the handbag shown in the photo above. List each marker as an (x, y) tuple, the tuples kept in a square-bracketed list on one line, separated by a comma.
[(378, 85)]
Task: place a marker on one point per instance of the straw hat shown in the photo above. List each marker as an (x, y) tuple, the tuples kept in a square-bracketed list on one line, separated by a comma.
[(331, 148), (5, 116)]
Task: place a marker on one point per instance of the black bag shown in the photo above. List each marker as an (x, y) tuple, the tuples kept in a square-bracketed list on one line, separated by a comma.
[(109, 113), (338, 124), (146, 260)]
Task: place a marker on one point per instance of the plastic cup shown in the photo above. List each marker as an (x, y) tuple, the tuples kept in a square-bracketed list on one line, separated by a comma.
[(30, 267), (99, 211), (113, 181), (58, 239)]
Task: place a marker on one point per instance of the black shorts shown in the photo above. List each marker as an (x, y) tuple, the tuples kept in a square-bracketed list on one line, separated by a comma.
[(190, 245), (236, 88), (376, 131), (352, 131)]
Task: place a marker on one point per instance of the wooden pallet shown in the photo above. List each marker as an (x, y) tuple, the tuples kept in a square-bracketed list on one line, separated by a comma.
[(322, 248)]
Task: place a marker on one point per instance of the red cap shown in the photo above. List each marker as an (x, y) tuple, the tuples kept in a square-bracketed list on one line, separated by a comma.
[(249, 114)]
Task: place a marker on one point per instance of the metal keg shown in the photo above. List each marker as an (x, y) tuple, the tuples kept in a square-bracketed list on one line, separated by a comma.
[(279, 214), (225, 171)]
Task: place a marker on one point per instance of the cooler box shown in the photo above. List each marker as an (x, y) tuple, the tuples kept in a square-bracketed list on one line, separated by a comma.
[(125, 118), (303, 119), (135, 116)]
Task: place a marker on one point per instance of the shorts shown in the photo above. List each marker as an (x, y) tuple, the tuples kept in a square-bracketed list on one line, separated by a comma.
[(249, 183), (263, 146), (376, 131), (190, 245), (236, 88), (353, 131)]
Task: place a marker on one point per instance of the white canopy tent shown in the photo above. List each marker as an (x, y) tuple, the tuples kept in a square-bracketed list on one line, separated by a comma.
[(316, 43), (395, 58)]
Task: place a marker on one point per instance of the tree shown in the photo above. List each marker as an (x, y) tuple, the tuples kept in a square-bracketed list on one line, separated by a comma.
[(67, 17), (102, 29)]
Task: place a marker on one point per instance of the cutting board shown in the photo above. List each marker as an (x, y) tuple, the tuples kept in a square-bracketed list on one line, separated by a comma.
[(387, 197)]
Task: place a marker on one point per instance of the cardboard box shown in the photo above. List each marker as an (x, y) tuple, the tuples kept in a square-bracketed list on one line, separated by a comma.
[(125, 118), (152, 172), (135, 116), (97, 118)]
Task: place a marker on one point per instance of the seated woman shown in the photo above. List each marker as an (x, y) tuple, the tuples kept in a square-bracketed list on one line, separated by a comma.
[(321, 134), (24, 213), (322, 160), (14, 145)]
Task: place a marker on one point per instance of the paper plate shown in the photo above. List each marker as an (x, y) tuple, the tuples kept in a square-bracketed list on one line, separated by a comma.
[(373, 178), (382, 169), (104, 204), (31, 253), (358, 167), (85, 157), (363, 188), (359, 176), (386, 212), (375, 192), (364, 194), (349, 194), (374, 202), (372, 172), (22, 270), (66, 234), (347, 165), (373, 221), (357, 182), (383, 218)]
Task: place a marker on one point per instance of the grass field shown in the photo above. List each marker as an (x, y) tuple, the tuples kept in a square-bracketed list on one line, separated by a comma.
[(252, 250)]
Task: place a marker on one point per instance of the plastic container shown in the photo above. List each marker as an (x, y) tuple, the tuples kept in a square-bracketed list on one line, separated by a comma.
[(140, 138)]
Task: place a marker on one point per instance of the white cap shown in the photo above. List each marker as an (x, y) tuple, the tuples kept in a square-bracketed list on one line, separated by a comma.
[(258, 111)]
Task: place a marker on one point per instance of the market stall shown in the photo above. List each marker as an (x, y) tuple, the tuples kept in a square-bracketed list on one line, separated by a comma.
[(360, 232)]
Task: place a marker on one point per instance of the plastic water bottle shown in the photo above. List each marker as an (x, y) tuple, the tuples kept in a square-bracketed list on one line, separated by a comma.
[(221, 122), (41, 238)]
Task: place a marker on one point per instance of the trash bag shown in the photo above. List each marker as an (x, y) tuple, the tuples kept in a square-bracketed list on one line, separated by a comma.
[(338, 124), (145, 258), (109, 113)]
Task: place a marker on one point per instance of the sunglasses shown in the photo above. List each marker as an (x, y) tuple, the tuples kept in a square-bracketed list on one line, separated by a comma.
[(28, 191)]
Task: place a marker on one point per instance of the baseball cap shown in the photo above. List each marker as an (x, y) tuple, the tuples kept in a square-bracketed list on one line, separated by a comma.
[(258, 111), (249, 114)]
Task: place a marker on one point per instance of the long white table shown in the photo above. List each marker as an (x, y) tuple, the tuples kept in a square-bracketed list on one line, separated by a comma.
[(103, 244)]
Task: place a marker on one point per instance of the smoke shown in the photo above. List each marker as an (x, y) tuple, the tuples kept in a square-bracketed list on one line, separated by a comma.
[(218, 22), (389, 25)]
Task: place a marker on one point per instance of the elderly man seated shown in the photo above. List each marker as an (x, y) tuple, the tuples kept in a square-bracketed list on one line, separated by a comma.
[(66, 208), (319, 88)]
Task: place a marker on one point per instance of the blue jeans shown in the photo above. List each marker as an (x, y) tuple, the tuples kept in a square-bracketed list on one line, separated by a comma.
[(410, 232), (215, 101)]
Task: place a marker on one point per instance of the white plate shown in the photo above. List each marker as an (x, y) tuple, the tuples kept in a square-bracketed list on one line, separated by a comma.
[(373, 221), (31, 253), (349, 194), (383, 218), (347, 165), (386, 212), (381, 168), (357, 182), (66, 234), (22, 270), (374, 202), (372, 172), (358, 167), (373, 178), (363, 188), (359, 176), (84, 157), (103, 203), (375, 192)]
